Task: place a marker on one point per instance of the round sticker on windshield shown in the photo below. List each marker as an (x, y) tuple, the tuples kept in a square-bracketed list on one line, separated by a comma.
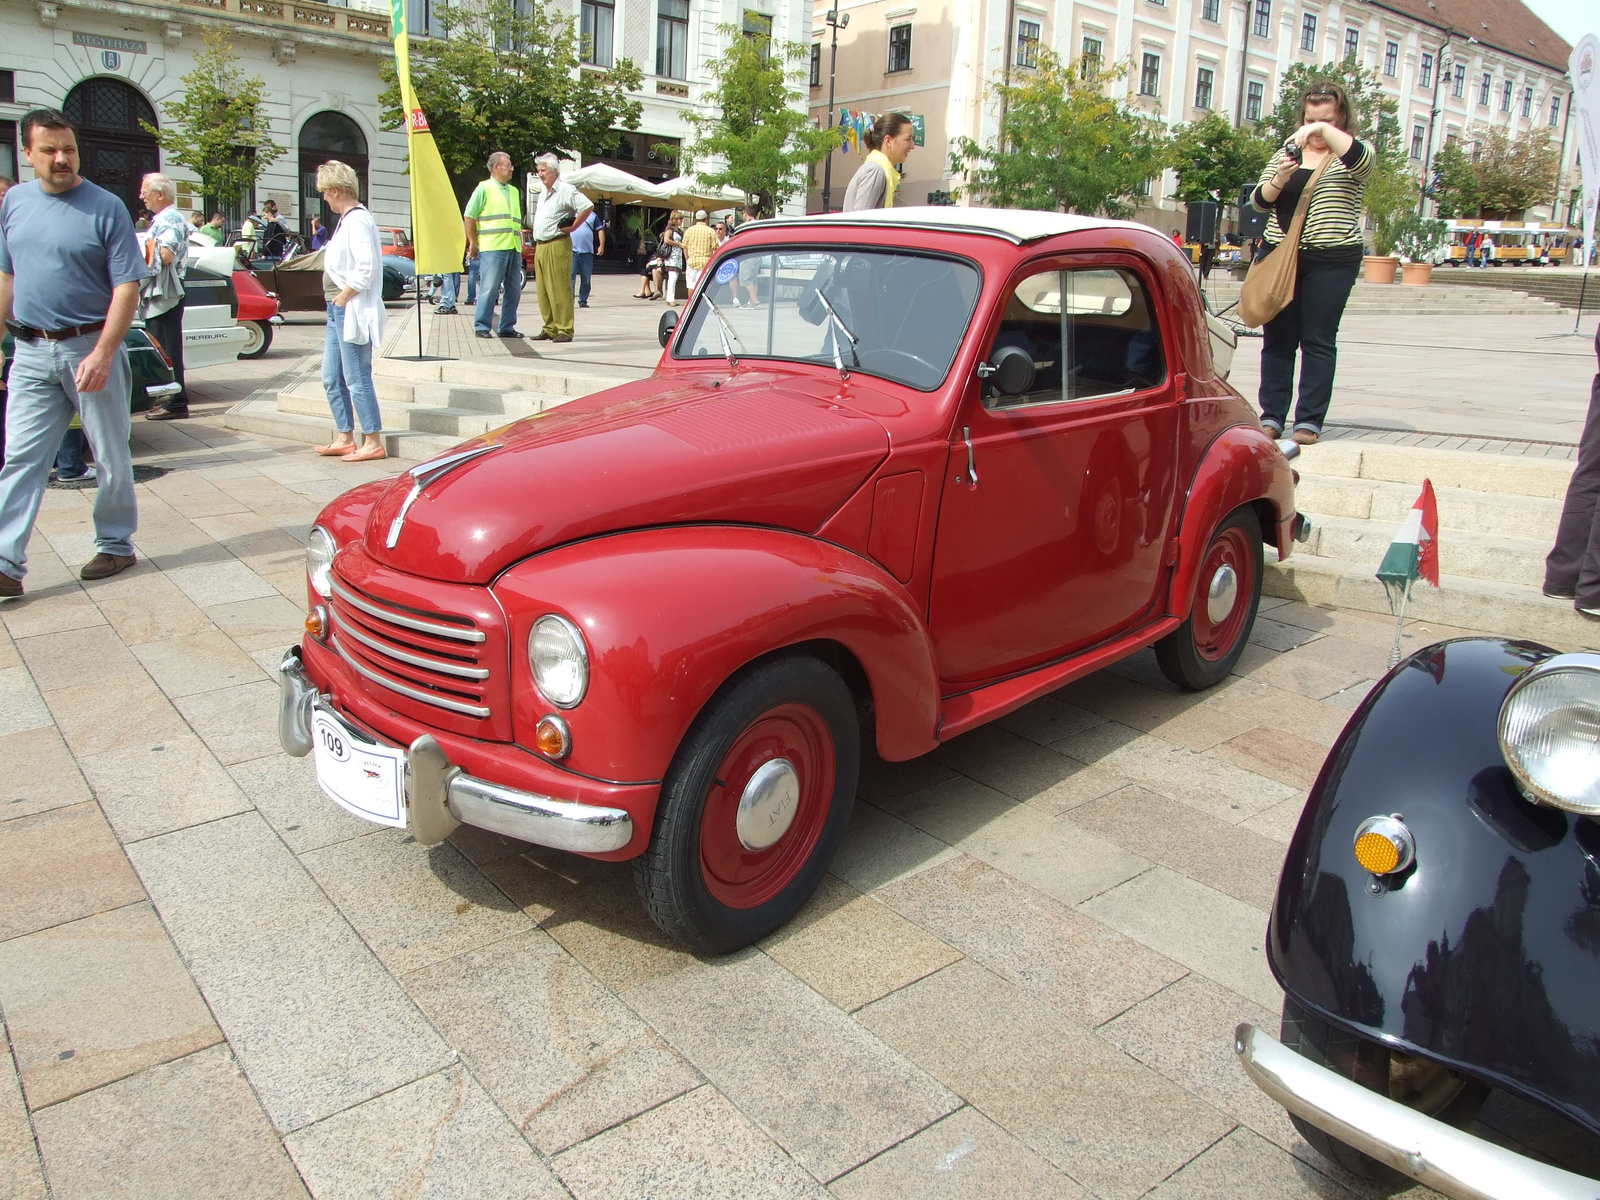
[(728, 269)]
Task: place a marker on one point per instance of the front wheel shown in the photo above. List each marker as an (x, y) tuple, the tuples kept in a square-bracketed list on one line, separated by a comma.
[(1227, 591), (753, 806), (1431, 1089), (260, 338)]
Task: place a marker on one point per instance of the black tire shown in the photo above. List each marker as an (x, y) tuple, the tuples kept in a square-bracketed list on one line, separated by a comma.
[(677, 887), (1442, 1093), (260, 339), (1199, 653)]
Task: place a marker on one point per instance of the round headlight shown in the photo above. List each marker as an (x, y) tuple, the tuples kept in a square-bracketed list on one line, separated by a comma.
[(559, 659), (1550, 732), (320, 549)]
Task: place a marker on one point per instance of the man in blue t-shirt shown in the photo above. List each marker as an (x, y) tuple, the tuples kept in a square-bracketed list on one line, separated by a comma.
[(588, 240), (70, 270)]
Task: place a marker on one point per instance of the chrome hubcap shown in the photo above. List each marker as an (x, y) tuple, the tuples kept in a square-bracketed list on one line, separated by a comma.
[(768, 805), (1222, 594)]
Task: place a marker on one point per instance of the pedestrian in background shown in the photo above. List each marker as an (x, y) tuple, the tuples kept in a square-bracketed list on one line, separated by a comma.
[(319, 233), (889, 141), (352, 284), (70, 270), (588, 240), (1572, 570), (672, 260), (161, 296), (699, 244), (215, 230), (493, 219), (561, 209), (1330, 253)]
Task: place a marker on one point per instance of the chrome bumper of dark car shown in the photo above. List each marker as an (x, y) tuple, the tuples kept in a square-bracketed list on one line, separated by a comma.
[(440, 795), (1446, 1159)]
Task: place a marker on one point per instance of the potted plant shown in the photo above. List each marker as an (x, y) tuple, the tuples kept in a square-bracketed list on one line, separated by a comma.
[(1391, 197), (1418, 240)]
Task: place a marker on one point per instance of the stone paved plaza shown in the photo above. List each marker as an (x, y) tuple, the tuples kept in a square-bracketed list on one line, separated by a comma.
[(1019, 980)]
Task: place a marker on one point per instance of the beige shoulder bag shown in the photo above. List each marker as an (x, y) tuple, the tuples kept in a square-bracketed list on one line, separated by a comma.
[(1269, 286)]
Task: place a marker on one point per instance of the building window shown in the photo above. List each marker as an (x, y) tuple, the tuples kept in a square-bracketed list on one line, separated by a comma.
[(1150, 76), (1255, 94), (8, 89), (1458, 84), (1483, 88), (1210, 10), (1555, 110), (1505, 96), (1417, 134), (672, 38), (816, 65), (900, 48), (1391, 58), (1263, 22), (758, 32), (596, 24), (1093, 56), (1352, 42), (1027, 43), (1308, 32), (1425, 79), (1202, 87), (1527, 102), (8, 148)]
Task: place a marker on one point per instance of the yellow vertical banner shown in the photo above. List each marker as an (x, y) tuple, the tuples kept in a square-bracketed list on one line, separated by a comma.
[(435, 215)]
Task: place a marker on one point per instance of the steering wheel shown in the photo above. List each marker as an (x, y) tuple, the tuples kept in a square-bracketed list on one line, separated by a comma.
[(927, 369)]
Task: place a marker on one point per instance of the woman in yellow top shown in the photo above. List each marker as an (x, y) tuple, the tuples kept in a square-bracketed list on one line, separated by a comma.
[(889, 140)]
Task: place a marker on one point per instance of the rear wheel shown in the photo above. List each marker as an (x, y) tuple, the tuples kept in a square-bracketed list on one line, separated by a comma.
[(260, 338), (753, 806), (1227, 591), (1431, 1089)]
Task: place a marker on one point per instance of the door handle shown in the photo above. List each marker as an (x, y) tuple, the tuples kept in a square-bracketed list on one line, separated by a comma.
[(971, 477)]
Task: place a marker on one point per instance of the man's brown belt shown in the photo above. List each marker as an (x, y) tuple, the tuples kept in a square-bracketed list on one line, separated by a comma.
[(29, 333)]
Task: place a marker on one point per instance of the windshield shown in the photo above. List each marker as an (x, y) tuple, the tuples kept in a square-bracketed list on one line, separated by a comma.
[(895, 315)]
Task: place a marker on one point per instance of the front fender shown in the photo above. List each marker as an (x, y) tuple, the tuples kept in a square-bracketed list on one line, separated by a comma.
[(1485, 955), (669, 614), (1241, 466)]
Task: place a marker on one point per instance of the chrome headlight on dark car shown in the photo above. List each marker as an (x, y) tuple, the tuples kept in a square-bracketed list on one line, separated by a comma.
[(1550, 732), (320, 549), (559, 659)]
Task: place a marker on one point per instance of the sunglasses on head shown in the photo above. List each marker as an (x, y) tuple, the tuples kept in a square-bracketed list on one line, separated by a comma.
[(1319, 96)]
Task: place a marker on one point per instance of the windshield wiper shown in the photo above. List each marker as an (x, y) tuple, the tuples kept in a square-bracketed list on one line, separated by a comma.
[(835, 324), (724, 331)]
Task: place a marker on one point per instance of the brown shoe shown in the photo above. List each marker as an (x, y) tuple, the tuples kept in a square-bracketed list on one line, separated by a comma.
[(1304, 437), (10, 588), (562, 337), (104, 566)]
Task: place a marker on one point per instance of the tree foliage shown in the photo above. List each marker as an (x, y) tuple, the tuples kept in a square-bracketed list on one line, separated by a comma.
[(1213, 160), (1064, 144), (1455, 183), (1514, 173), (1373, 113), (509, 76), (219, 129), (754, 135)]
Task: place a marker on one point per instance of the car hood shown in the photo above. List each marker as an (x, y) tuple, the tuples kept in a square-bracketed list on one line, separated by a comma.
[(654, 452)]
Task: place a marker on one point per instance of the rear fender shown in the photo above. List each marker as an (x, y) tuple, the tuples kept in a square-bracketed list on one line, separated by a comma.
[(670, 614)]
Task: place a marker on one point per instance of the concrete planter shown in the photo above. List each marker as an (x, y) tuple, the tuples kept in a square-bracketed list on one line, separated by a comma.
[(1379, 268), (1416, 274)]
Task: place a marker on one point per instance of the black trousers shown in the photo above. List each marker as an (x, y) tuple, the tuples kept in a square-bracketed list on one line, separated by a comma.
[(167, 330), (1310, 324), (1573, 567)]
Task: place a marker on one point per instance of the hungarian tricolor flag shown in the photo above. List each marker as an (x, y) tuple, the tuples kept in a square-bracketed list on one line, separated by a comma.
[(1414, 553), (436, 227)]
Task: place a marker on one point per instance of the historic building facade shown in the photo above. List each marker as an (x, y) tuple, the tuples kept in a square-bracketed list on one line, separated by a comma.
[(1478, 62)]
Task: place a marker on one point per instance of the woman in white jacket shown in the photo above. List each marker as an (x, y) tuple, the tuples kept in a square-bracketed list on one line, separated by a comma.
[(352, 282)]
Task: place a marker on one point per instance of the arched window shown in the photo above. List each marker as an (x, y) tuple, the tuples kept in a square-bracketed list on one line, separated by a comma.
[(114, 149), (324, 136)]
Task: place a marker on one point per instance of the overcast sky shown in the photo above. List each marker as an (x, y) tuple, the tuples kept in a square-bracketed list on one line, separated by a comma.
[(1570, 18)]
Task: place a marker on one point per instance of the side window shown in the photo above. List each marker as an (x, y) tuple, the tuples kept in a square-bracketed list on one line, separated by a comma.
[(1090, 333)]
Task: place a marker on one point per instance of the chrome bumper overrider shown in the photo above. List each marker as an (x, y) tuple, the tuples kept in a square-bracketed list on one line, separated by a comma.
[(1447, 1159), (440, 795)]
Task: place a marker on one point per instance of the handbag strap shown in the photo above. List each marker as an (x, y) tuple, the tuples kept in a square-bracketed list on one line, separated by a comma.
[(1297, 225)]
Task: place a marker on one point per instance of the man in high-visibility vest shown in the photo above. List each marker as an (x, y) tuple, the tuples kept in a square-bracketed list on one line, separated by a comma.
[(494, 238)]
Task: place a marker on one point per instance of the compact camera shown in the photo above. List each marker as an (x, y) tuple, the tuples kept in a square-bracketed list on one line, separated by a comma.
[(1292, 149)]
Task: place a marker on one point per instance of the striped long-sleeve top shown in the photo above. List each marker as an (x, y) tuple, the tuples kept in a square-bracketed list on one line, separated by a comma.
[(1333, 221)]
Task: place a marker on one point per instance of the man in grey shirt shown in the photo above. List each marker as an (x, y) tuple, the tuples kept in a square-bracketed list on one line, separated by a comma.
[(70, 269)]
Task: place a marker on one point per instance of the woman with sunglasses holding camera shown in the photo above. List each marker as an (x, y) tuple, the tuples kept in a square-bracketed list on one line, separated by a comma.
[(1331, 250)]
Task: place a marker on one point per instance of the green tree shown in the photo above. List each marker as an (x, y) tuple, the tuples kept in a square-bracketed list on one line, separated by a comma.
[(1213, 160), (509, 76), (1373, 113), (1514, 173), (1063, 143), (752, 134), (1455, 183), (219, 129)]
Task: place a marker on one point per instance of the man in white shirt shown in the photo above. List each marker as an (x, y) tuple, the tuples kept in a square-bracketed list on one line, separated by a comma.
[(561, 209)]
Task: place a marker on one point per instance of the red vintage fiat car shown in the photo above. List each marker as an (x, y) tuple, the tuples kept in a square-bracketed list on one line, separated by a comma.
[(897, 474)]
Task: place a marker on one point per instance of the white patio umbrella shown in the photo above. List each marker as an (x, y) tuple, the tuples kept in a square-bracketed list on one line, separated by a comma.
[(599, 181), (685, 191)]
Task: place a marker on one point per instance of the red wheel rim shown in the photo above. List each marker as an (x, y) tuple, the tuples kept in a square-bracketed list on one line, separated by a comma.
[(743, 878), (1216, 636)]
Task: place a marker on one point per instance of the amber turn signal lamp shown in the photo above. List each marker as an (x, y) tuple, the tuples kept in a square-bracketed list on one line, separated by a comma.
[(317, 623), (1383, 845), (552, 738)]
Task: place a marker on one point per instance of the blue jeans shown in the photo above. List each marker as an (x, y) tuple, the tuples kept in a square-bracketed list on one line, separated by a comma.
[(69, 458), (582, 271), (42, 401), (498, 269), (451, 292), (347, 377)]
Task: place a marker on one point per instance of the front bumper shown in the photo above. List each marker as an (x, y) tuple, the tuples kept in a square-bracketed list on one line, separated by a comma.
[(440, 795), (1447, 1159)]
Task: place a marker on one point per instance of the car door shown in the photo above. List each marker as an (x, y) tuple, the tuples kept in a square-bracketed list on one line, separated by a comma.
[(1053, 540)]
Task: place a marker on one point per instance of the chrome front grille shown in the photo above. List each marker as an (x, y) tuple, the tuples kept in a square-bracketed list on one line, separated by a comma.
[(433, 658)]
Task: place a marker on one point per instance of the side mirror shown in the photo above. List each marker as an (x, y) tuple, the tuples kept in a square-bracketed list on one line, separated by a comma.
[(669, 323), (1011, 373)]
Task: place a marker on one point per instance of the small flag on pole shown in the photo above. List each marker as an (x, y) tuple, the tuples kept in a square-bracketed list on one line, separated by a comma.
[(1414, 554)]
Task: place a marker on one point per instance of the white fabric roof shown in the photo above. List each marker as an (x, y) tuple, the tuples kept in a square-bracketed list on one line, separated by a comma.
[(1013, 224)]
